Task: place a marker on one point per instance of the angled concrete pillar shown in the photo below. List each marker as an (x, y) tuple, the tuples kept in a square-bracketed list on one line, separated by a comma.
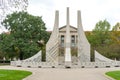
[(83, 44), (68, 42), (52, 46)]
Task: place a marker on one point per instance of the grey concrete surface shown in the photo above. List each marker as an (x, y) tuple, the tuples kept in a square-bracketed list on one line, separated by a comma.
[(65, 74)]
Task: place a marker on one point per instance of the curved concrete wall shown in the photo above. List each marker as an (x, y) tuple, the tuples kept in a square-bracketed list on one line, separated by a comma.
[(101, 58)]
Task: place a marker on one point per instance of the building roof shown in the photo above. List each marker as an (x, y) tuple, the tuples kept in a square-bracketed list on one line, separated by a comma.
[(65, 27)]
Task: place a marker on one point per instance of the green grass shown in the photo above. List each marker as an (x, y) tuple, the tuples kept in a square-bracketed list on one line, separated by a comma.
[(13, 74), (114, 74)]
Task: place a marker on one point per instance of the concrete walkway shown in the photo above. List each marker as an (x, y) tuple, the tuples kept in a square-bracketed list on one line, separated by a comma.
[(65, 74)]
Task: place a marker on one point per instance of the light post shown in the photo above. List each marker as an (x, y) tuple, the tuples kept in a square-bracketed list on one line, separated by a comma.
[(41, 43), (4, 60)]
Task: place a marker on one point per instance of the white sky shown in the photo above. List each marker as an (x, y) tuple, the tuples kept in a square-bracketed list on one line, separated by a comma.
[(92, 11)]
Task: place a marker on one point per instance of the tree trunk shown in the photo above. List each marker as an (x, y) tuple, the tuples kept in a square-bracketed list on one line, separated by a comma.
[(21, 55)]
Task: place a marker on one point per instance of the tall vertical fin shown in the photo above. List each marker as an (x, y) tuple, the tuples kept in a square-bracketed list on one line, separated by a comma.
[(83, 44), (68, 41), (52, 46)]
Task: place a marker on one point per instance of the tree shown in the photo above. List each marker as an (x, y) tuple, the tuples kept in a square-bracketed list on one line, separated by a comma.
[(116, 27), (6, 46), (115, 36), (101, 32), (99, 38), (8, 6), (25, 31)]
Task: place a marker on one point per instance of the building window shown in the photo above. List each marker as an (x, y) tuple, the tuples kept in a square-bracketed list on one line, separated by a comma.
[(73, 40), (62, 40)]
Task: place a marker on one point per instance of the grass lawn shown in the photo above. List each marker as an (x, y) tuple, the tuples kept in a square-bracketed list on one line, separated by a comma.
[(13, 74), (114, 74)]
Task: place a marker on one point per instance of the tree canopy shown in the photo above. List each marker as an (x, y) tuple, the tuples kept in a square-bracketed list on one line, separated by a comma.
[(104, 40), (8, 6), (25, 32), (100, 34)]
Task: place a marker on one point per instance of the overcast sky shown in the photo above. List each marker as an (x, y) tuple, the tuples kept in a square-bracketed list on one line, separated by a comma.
[(92, 11)]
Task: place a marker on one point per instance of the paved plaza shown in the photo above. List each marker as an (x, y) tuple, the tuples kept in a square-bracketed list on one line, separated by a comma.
[(65, 74)]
